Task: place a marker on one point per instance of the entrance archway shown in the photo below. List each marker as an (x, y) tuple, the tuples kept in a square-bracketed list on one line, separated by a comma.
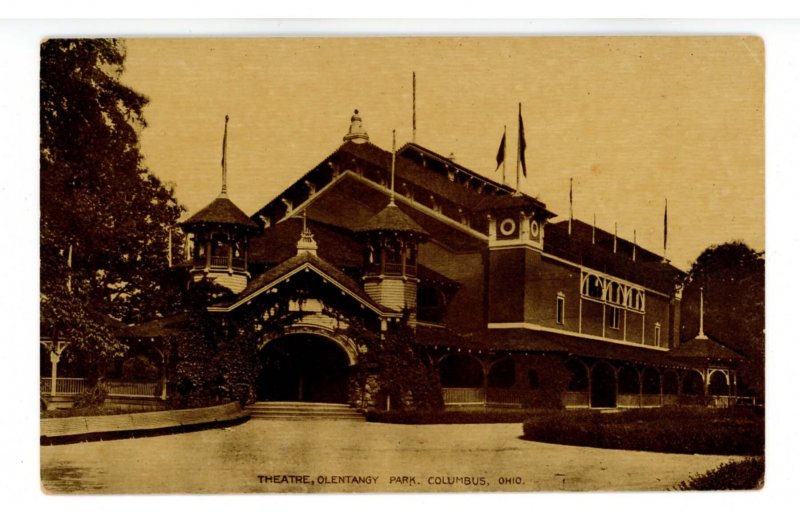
[(604, 386), (303, 368)]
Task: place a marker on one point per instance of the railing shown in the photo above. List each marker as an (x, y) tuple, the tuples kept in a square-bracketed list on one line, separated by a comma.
[(464, 396), (504, 396), (116, 388), (393, 269), (238, 263), (64, 386), (219, 261), (72, 386)]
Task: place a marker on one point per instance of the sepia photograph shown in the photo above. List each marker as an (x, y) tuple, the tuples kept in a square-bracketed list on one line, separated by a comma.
[(401, 264)]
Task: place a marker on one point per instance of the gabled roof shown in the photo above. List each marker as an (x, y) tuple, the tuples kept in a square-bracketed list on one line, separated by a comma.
[(222, 211), (302, 261)]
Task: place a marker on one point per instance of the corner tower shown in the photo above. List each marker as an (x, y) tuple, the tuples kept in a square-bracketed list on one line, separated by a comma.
[(392, 241), (220, 232)]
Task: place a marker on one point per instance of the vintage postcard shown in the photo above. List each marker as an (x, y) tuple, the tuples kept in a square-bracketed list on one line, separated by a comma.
[(401, 265)]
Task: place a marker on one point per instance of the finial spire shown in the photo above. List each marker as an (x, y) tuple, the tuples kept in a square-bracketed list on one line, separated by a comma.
[(306, 242), (394, 153), (224, 191), (356, 133), (701, 335)]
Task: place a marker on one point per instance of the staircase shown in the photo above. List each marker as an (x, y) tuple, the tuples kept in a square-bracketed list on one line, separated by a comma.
[(288, 411)]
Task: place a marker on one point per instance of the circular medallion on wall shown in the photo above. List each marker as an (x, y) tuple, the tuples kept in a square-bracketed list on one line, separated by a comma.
[(534, 229), (507, 227)]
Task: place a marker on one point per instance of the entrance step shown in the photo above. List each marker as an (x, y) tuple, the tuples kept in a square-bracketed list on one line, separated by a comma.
[(302, 411)]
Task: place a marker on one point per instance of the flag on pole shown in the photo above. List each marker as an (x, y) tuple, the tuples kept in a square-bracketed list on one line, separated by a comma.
[(570, 206), (501, 151), (224, 191), (522, 143)]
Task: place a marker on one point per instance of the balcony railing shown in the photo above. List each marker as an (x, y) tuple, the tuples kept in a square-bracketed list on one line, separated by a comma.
[(71, 386), (219, 261)]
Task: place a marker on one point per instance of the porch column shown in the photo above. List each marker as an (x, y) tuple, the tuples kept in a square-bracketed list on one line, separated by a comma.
[(54, 359)]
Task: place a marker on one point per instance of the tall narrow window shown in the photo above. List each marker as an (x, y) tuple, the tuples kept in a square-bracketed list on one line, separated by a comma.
[(612, 317), (657, 334), (560, 308)]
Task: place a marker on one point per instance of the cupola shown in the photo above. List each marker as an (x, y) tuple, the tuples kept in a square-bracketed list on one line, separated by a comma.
[(220, 234)]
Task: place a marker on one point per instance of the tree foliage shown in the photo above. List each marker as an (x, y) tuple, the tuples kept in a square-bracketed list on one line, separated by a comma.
[(732, 277), (402, 369), (104, 218)]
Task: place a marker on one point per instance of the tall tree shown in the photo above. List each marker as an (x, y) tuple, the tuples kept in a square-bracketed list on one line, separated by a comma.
[(732, 278), (105, 220)]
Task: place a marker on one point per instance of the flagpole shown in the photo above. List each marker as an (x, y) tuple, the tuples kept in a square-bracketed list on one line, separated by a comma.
[(414, 107), (634, 245), (665, 230), (594, 223), (519, 147), (391, 197), (615, 238)]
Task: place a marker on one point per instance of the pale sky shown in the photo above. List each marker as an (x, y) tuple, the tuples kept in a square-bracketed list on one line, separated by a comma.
[(632, 120)]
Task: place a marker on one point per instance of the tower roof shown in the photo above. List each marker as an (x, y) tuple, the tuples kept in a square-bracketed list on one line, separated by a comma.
[(221, 211), (392, 218)]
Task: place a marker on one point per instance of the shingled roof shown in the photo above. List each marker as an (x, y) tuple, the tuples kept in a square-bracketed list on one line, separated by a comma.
[(392, 219), (528, 340), (704, 349), (222, 211)]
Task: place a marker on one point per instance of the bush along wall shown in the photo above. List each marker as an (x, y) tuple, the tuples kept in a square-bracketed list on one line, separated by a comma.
[(678, 430)]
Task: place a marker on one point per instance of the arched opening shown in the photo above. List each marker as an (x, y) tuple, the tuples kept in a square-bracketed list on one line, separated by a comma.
[(461, 371), (670, 383), (651, 382), (502, 373), (628, 381), (718, 384), (604, 386), (693, 384), (579, 378), (303, 367)]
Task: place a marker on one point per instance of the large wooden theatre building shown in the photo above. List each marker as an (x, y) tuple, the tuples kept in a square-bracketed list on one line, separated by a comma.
[(502, 297)]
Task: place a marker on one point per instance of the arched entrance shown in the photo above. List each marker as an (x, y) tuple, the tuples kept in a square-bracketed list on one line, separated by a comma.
[(604, 386), (304, 368)]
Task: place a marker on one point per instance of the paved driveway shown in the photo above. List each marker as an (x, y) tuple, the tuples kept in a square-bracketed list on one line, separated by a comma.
[(335, 456)]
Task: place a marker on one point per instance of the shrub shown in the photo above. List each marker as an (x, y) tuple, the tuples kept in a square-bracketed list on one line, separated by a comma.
[(92, 397), (672, 430), (741, 475)]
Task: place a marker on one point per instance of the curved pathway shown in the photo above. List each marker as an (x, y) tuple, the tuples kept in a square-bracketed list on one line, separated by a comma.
[(334, 456)]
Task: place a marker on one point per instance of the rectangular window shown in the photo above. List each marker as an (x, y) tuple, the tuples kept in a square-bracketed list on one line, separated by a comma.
[(612, 318), (657, 335), (560, 309)]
